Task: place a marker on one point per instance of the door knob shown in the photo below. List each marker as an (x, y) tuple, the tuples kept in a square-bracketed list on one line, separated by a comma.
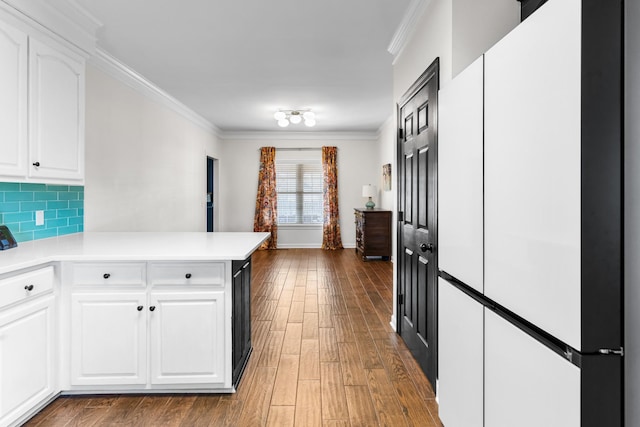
[(140, 308), (106, 275), (188, 275), (36, 164), (426, 247), (153, 307), (28, 288)]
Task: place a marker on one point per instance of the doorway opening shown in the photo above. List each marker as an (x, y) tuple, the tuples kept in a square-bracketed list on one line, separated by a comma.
[(211, 206)]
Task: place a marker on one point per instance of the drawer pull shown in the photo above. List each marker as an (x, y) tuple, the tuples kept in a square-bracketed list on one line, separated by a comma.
[(36, 164), (140, 308), (106, 275), (28, 288), (153, 307), (188, 275)]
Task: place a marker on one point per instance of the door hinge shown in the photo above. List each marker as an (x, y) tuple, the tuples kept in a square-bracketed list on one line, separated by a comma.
[(400, 216), (618, 352), (400, 133), (401, 299)]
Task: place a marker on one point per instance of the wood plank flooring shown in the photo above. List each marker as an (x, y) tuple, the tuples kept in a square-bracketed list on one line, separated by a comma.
[(324, 354)]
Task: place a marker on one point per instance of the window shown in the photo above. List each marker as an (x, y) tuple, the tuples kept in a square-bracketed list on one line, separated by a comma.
[(299, 187)]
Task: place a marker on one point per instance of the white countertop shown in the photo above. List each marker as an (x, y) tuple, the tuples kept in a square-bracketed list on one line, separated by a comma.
[(132, 246)]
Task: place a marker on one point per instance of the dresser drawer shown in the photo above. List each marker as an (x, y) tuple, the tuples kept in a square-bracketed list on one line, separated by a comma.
[(26, 285), (186, 273), (110, 273)]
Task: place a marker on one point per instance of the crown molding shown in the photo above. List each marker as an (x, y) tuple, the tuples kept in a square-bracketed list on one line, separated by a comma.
[(65, 19), (123, 73), (306, 136), (407, 26)]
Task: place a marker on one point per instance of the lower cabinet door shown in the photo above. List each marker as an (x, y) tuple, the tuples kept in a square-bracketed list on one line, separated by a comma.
[(526, 383), (460, 358), (27, 358), (187, 340), (109, 338)]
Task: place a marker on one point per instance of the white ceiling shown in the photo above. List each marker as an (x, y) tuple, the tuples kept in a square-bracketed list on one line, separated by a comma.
[(237, 62)]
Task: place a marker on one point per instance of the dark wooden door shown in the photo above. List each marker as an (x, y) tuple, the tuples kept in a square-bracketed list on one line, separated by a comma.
[(417, 220)]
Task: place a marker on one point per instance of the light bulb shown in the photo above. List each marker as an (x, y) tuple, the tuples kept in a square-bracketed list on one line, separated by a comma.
[(283, 123), (309, 115), (280, 115), (295, 118), (310, 122)]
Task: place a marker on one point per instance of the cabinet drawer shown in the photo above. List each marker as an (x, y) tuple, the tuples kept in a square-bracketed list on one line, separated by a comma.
[(187, 273), (26, 285), (107, 273)]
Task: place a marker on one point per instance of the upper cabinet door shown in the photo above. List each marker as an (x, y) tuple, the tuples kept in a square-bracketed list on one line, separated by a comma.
[(13, 101), (460, 180), (56, 113), (533, 170)]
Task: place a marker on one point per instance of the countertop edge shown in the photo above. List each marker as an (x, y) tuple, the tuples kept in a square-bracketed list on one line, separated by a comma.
[(37, 260)]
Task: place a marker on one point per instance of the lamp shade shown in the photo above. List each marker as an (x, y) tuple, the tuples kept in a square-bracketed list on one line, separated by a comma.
[(368, 190)]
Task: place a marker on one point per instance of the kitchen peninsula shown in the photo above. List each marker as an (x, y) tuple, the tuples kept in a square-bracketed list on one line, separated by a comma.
[(123, 313)]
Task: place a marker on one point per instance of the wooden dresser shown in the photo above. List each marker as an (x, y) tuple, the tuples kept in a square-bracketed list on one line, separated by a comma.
[(373, 233)]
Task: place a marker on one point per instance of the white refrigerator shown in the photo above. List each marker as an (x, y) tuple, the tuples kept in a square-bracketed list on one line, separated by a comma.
[(530, 226)]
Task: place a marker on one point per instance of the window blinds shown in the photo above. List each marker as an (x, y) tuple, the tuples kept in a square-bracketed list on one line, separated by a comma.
[(299, 187)]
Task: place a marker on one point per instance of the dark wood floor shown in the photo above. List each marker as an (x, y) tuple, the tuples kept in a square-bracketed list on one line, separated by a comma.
[(324, 354)]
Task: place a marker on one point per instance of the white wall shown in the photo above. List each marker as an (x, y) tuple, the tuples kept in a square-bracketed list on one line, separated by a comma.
[(145, 164), (473, 25), (358, 164), (478, 25), (632, 213), (387, 154), (431, 39)]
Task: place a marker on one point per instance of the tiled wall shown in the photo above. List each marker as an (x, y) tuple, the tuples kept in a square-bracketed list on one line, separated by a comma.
[(63, 207)]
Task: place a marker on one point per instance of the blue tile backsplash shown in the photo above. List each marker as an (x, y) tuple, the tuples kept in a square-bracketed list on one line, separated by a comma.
[(63, 207)]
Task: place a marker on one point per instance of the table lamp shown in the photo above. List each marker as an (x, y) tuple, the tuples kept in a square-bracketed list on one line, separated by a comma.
[(369, 191)]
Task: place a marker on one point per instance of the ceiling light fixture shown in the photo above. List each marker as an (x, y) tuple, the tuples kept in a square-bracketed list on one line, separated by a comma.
[(284, 117)]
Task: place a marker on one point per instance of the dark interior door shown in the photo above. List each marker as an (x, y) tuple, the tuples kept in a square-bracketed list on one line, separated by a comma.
[(417, 220)]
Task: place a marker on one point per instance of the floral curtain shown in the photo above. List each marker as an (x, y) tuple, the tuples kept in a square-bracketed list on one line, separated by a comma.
[(266, 215), (331, 239)]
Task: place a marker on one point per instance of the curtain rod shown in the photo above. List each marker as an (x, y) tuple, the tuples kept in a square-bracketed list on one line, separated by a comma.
[(297, 149)]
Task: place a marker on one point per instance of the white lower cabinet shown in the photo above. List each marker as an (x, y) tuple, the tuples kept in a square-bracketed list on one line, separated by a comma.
[(187, 337), (130, 333), (27, 358), (108, 338)]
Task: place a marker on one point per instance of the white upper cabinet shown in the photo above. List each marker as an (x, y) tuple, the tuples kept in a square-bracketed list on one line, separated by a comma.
[(56, 113), (460, 180), (532, 170), (42, 87), (13, 102)]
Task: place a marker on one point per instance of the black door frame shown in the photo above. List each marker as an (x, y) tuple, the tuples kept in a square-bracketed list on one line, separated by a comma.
[(432, 72), (210, 205)]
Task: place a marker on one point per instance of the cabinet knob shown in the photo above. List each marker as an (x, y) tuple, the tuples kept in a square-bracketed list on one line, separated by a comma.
[(188, 275), (36, 164), (28, 288), (106, 275), (153, 307), (140, 308)]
